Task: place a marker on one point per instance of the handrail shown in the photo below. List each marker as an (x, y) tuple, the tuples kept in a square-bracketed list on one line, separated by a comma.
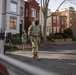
[(32, 70)]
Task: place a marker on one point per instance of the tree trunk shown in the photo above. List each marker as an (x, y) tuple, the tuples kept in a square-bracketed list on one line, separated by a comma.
[(45, 24)]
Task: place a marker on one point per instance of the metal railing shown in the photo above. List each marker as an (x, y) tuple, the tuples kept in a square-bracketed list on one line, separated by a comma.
[(31, 70)]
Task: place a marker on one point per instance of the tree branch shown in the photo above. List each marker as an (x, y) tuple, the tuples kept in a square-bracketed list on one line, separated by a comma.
[(57, 8)]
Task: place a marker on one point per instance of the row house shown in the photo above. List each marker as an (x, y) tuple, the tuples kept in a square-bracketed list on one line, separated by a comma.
[(31, 13), (70, 14), (11, 15), (15, 15), (72, 19), (58, 23), (55, 23)]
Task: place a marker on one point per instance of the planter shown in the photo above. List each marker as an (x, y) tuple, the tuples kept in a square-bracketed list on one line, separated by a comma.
[(63, 40)]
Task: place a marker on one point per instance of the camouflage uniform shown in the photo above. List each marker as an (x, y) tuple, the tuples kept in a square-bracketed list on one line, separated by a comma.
[(33, 33), (24, 36)]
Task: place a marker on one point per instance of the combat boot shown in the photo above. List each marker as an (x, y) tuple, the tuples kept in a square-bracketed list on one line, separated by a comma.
[(36, 57)]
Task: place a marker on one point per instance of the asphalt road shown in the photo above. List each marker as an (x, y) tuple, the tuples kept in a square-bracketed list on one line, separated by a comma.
[(59, 59)]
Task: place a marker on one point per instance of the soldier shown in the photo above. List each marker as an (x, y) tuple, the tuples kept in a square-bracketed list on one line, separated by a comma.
[(33, 33), (24, 38)]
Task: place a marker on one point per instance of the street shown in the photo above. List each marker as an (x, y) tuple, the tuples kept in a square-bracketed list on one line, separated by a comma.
[(59, 59)]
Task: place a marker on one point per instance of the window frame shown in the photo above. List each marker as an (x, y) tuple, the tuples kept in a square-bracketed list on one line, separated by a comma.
[(21, 11), (26, 12), (70, 25), (54, 19), (10, 23), (12, 2), (33, 12)]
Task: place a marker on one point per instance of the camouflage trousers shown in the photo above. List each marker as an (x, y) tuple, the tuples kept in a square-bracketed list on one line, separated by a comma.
[(34, 43), (24, 44)]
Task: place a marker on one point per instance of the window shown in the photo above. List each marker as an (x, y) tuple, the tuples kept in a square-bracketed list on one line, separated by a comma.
[(13, 23), (54, 19), (5, 7), (26, 12), (21, 11), (70, 24), (33, 12), (66, 14), (57, 29), (57, 18), (70, 19), (13, 6), (62, 30), (54, 29), (70, 12), (63, 22)]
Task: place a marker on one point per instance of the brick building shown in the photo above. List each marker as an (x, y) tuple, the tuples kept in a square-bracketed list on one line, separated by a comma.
[(70, 19), (31, 12), (63, 24), (55, 23)]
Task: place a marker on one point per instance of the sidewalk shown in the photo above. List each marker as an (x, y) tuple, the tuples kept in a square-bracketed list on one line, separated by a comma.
[(49, 50)]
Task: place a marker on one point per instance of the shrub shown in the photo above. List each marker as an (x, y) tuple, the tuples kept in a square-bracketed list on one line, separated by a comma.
[(16, 35), (58, 37), (51, 35), (7, 46), (50, 38), (65, 36), (58, 34), (9, 35), (14, 47), (68, 32), (74, 38), (15, 39)]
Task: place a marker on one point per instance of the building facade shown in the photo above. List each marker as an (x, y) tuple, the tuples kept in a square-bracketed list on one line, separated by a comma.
[(55, 23), (12, 15), (63, 23), (31, 13), (72, 19), (70, 14)]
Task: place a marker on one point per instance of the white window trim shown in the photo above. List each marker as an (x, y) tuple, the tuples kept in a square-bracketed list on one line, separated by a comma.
[(26, 12), (33, 12), (54, 19), (21, 11), (16, 23), (11, 7)]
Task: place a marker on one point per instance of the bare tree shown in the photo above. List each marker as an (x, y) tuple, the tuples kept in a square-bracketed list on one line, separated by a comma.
[(44, 6)]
